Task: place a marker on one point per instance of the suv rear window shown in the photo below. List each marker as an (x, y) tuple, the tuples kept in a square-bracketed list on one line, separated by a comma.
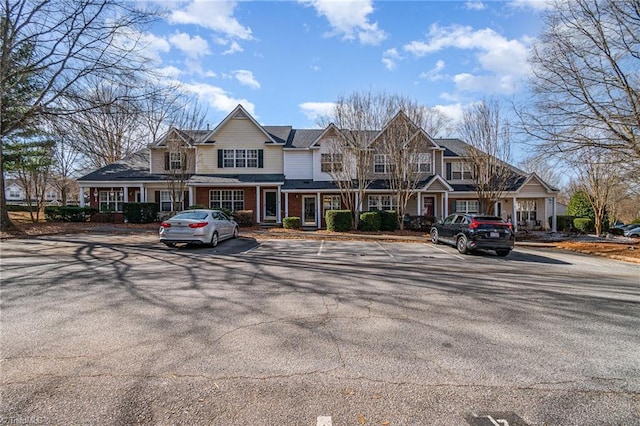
[(488, 219)]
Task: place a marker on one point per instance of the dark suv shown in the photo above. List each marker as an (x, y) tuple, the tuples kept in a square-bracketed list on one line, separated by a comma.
[(469, 232)]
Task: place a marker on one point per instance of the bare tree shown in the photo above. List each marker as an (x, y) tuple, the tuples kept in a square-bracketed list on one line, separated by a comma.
[(586, 78), (489, 139), (598, 176), (69, 41), (405, 146), (357, 116), (64, 168)]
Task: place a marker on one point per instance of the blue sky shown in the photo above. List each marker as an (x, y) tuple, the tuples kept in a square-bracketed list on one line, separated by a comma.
[(287, 61)]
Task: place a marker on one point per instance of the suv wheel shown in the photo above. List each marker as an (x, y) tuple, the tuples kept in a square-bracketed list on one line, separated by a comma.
[(502, 253), (434, 236), (461, 244)]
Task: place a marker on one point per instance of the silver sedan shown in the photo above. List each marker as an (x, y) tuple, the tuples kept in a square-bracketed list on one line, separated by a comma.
[(198, 227)]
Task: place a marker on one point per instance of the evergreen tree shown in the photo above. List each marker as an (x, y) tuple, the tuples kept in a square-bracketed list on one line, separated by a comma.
[(580, 206)]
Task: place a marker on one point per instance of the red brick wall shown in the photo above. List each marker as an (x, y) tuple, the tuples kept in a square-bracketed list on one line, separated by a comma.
[(202, 197)]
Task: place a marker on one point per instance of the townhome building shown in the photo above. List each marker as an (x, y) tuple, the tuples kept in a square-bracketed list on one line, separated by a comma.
[(280, 171)]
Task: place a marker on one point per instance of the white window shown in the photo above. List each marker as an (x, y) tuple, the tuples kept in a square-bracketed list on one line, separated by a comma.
[(460, 170), (232, 200), (14, 193), (111, 201), (175, 160), (467, 206), (527, 210), (240, 158), (331, 162), (330, 202), (165, 201), (422, 162), (380, 202), (380, 163)]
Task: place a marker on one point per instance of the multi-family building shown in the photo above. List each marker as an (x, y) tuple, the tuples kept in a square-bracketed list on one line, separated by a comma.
[(280, 171)]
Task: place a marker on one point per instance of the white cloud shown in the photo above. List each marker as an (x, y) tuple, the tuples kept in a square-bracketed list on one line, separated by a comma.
[(317, 110), (536, 5), (246, 78), (193, 47), (169, 72), (434, 73), (217, 97), (233, 48), (390, 58), (349, 19), (504, 61), (474, 5), (215, 15), (453, 111)]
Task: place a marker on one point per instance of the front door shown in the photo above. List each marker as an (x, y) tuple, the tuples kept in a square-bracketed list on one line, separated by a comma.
[(309, 210), (270, 204)]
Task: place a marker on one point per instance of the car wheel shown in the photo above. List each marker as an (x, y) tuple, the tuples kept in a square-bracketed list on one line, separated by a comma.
[(214, 239), (170, 244), (235, 232), (434, 236), (503, 253), (461, 244)]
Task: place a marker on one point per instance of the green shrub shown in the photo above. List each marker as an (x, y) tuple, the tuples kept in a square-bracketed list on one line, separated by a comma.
[(635, 221), (196, 207), (339, 220), (140, 212), (580, 206), (243, 217), (583, 224), (564, 223), (370, 221), (388, 221), (68, 213), (292, 222)]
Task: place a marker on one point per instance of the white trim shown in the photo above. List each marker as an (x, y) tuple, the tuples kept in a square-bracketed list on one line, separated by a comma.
[(258, 213), (318, 211), (286, 204), (279, 205), (329, 127)]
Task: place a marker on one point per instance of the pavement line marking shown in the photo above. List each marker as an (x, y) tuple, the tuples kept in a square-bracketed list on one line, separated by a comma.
[(324, 421), (320, 250), (384, 249), (445, 251)]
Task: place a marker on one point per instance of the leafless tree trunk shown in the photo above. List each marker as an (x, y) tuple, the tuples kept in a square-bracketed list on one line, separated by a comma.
[(489, 154), (586, 84), (598, 176), (71, 40)]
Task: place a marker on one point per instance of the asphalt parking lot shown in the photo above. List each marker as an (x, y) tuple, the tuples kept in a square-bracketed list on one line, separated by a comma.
[(118, 329)]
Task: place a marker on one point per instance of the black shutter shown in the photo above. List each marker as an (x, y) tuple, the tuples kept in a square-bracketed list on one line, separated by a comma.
[(448, 171), (157, 195), (166, 161), (184, 161), (261, 158), (185, 198), (220, 162)]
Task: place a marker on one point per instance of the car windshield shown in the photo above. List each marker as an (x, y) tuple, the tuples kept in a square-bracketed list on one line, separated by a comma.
[(191, 215)]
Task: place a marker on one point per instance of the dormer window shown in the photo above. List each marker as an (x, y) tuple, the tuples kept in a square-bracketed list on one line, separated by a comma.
[(173, 160), (422, 162), (460, 171)]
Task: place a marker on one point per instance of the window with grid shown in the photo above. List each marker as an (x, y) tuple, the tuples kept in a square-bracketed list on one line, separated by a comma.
[(330, 202), (232, 200), (380, 164), (165, 201), (527, 210), (460, 171), (422, 162), (14, 193), (380, 202), (331, 162), (467, 206), (111, 201), (240, 158), (175, 160)]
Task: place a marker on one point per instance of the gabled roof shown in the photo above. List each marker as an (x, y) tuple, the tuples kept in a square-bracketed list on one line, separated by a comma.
[(189, 137), (330, 127), (134, 167), (303, 138), (238, 112), (437, 179), (419, 130), (280, 134), (534, 176)]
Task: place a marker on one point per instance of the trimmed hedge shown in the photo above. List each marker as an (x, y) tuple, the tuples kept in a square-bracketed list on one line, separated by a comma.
[(68, 213), (564, 222), (17, 208), (292, 222), (583, 224), (370, 221), (339, 220), (243, 217), (140, 212), (388, 221)]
